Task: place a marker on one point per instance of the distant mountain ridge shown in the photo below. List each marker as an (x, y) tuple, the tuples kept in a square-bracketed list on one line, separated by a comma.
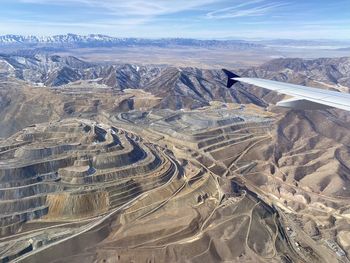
[(98, 40), (68, 38), (184, 87)]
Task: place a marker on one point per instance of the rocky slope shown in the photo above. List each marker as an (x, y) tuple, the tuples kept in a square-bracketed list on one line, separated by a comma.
[(179, 87), (298, 161), (175, 88)]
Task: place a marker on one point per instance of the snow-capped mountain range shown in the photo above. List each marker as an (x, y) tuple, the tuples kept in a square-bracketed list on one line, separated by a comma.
[(69, 38), (96, 40)]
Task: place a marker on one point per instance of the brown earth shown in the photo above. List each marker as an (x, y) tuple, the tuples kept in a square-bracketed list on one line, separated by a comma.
[(95, 173)]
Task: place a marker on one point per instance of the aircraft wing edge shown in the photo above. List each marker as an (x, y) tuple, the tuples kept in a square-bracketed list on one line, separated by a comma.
[(303, 97)]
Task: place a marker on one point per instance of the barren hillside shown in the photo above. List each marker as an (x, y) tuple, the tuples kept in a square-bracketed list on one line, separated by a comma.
[(157, 163)]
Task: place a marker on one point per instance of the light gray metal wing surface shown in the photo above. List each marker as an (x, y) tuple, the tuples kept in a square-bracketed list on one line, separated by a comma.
[(303, 97), (325, 97)]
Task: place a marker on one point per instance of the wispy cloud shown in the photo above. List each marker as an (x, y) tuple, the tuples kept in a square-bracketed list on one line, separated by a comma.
[(247, 9), (122, 12), (178, 18), (133, 7)]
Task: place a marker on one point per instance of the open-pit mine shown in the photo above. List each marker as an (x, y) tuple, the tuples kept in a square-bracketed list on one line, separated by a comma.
[(77, 189), (158, 164)]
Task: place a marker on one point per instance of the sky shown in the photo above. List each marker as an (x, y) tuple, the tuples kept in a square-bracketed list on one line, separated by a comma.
[(203, 19)]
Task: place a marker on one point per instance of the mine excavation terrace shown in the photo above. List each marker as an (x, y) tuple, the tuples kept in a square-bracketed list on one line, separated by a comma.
[(158, 184), (71, 170), (237, 143), (93, 171), (223, 135), (74, 178)]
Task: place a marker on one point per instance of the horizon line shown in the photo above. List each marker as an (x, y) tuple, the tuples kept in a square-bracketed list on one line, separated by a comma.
[(176, 37)]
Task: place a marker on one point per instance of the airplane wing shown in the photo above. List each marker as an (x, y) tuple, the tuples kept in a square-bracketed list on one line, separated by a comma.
[(303, 97)]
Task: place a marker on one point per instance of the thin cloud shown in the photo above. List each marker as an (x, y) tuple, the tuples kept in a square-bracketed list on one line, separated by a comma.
[(178, 18), (133, 7), (129, 13), (248, 9)]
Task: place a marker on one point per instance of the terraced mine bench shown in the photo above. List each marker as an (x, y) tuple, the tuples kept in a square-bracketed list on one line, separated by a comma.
[(69, 170)]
